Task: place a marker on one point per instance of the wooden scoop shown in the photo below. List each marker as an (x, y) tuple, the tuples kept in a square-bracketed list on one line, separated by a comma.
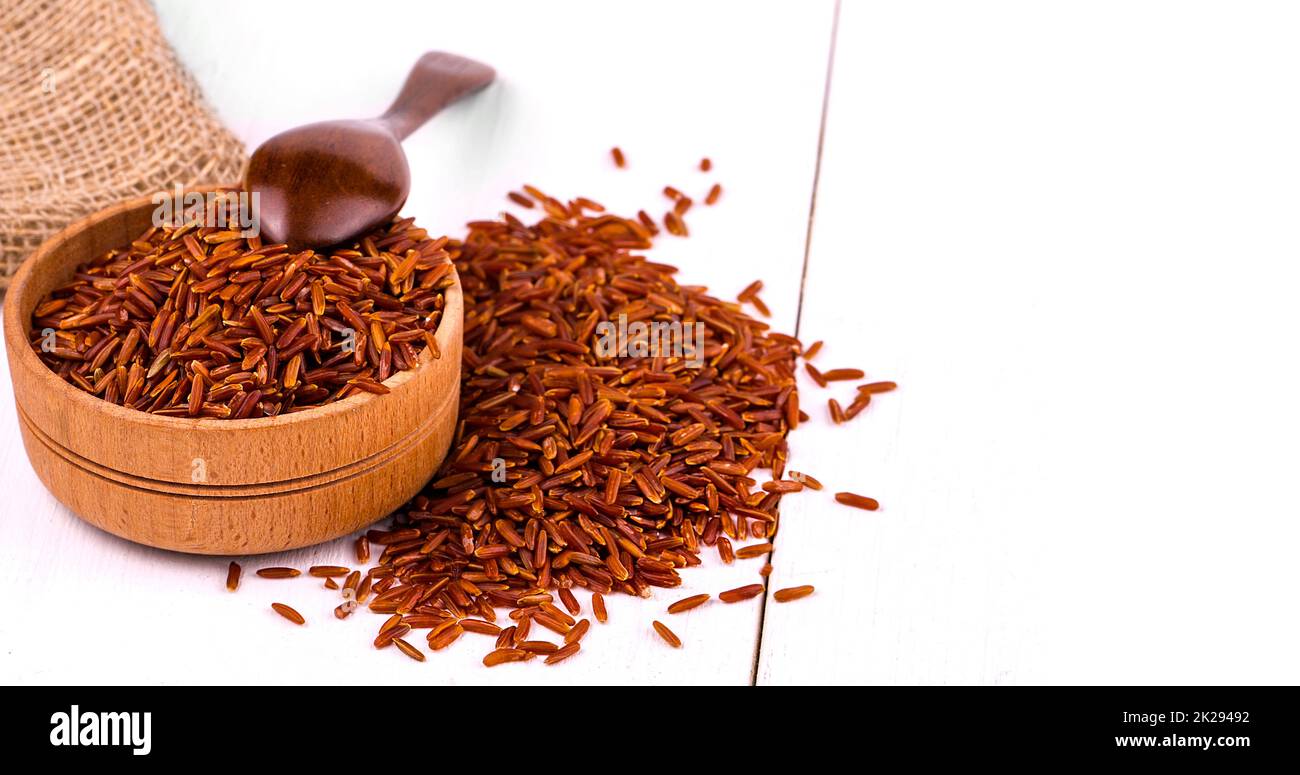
[(322, 184)]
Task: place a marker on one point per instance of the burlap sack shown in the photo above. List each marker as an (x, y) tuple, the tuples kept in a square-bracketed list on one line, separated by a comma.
[(95, 108)]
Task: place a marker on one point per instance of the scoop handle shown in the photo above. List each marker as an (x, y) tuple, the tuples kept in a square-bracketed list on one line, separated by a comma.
[(436, 81)]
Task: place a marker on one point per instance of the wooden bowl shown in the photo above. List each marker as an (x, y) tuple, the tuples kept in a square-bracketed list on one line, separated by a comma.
[(211, 486)]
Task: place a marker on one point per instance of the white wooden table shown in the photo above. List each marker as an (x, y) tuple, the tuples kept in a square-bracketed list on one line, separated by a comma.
[(1070, 234)]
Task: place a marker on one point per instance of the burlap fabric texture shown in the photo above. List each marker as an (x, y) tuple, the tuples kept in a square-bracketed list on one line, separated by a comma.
[(95, 108)]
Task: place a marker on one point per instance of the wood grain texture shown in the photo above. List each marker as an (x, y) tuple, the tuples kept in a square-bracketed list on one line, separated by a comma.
[(215, 486), (694, 80), (1069, 233)]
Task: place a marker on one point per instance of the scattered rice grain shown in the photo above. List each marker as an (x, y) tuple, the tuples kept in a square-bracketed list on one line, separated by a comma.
[(566, 651), (501, 656), (792, 593), (857, 501), (408, 649), (668, 635), (579, 630), (808, 480), (840, 375), (741, 593), (687, 603), (288, 613)]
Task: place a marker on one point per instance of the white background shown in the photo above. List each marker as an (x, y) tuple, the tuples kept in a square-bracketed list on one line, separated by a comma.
[(1068, 231)]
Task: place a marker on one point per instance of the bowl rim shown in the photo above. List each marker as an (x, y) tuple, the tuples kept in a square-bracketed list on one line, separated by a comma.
[(16, 341)]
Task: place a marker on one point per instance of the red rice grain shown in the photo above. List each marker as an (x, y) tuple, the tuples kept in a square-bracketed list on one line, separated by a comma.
[(363, 550), (714, 195), (876, 387), (756, 550), (857, 501), (566, 651), (288, 613), (620, 470), (815, 374), (326, 571), (741, 593), (479, 626), (445, 638), (437, 624), (520, 199), (195, 321), (808, 480), (687, 603), (552, 611), (583, 203), (668, 635), (502, 656), (279, 573), (570, 602), (649, 223), (385, 637), (672, 193), (551, 623), (706, 164), (812, 350), (792, 593), (619, 160), (782, 486), (859, 403), (579, 630), (408, 649), (725, 551), (839, 375), (232, 576), (521, 630)]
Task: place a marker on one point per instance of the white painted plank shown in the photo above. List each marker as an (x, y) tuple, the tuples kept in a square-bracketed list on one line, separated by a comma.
[(669, 82), (1069, 231)]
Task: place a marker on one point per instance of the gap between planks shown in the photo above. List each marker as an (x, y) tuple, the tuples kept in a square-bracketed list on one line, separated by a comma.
[(803, 280)]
